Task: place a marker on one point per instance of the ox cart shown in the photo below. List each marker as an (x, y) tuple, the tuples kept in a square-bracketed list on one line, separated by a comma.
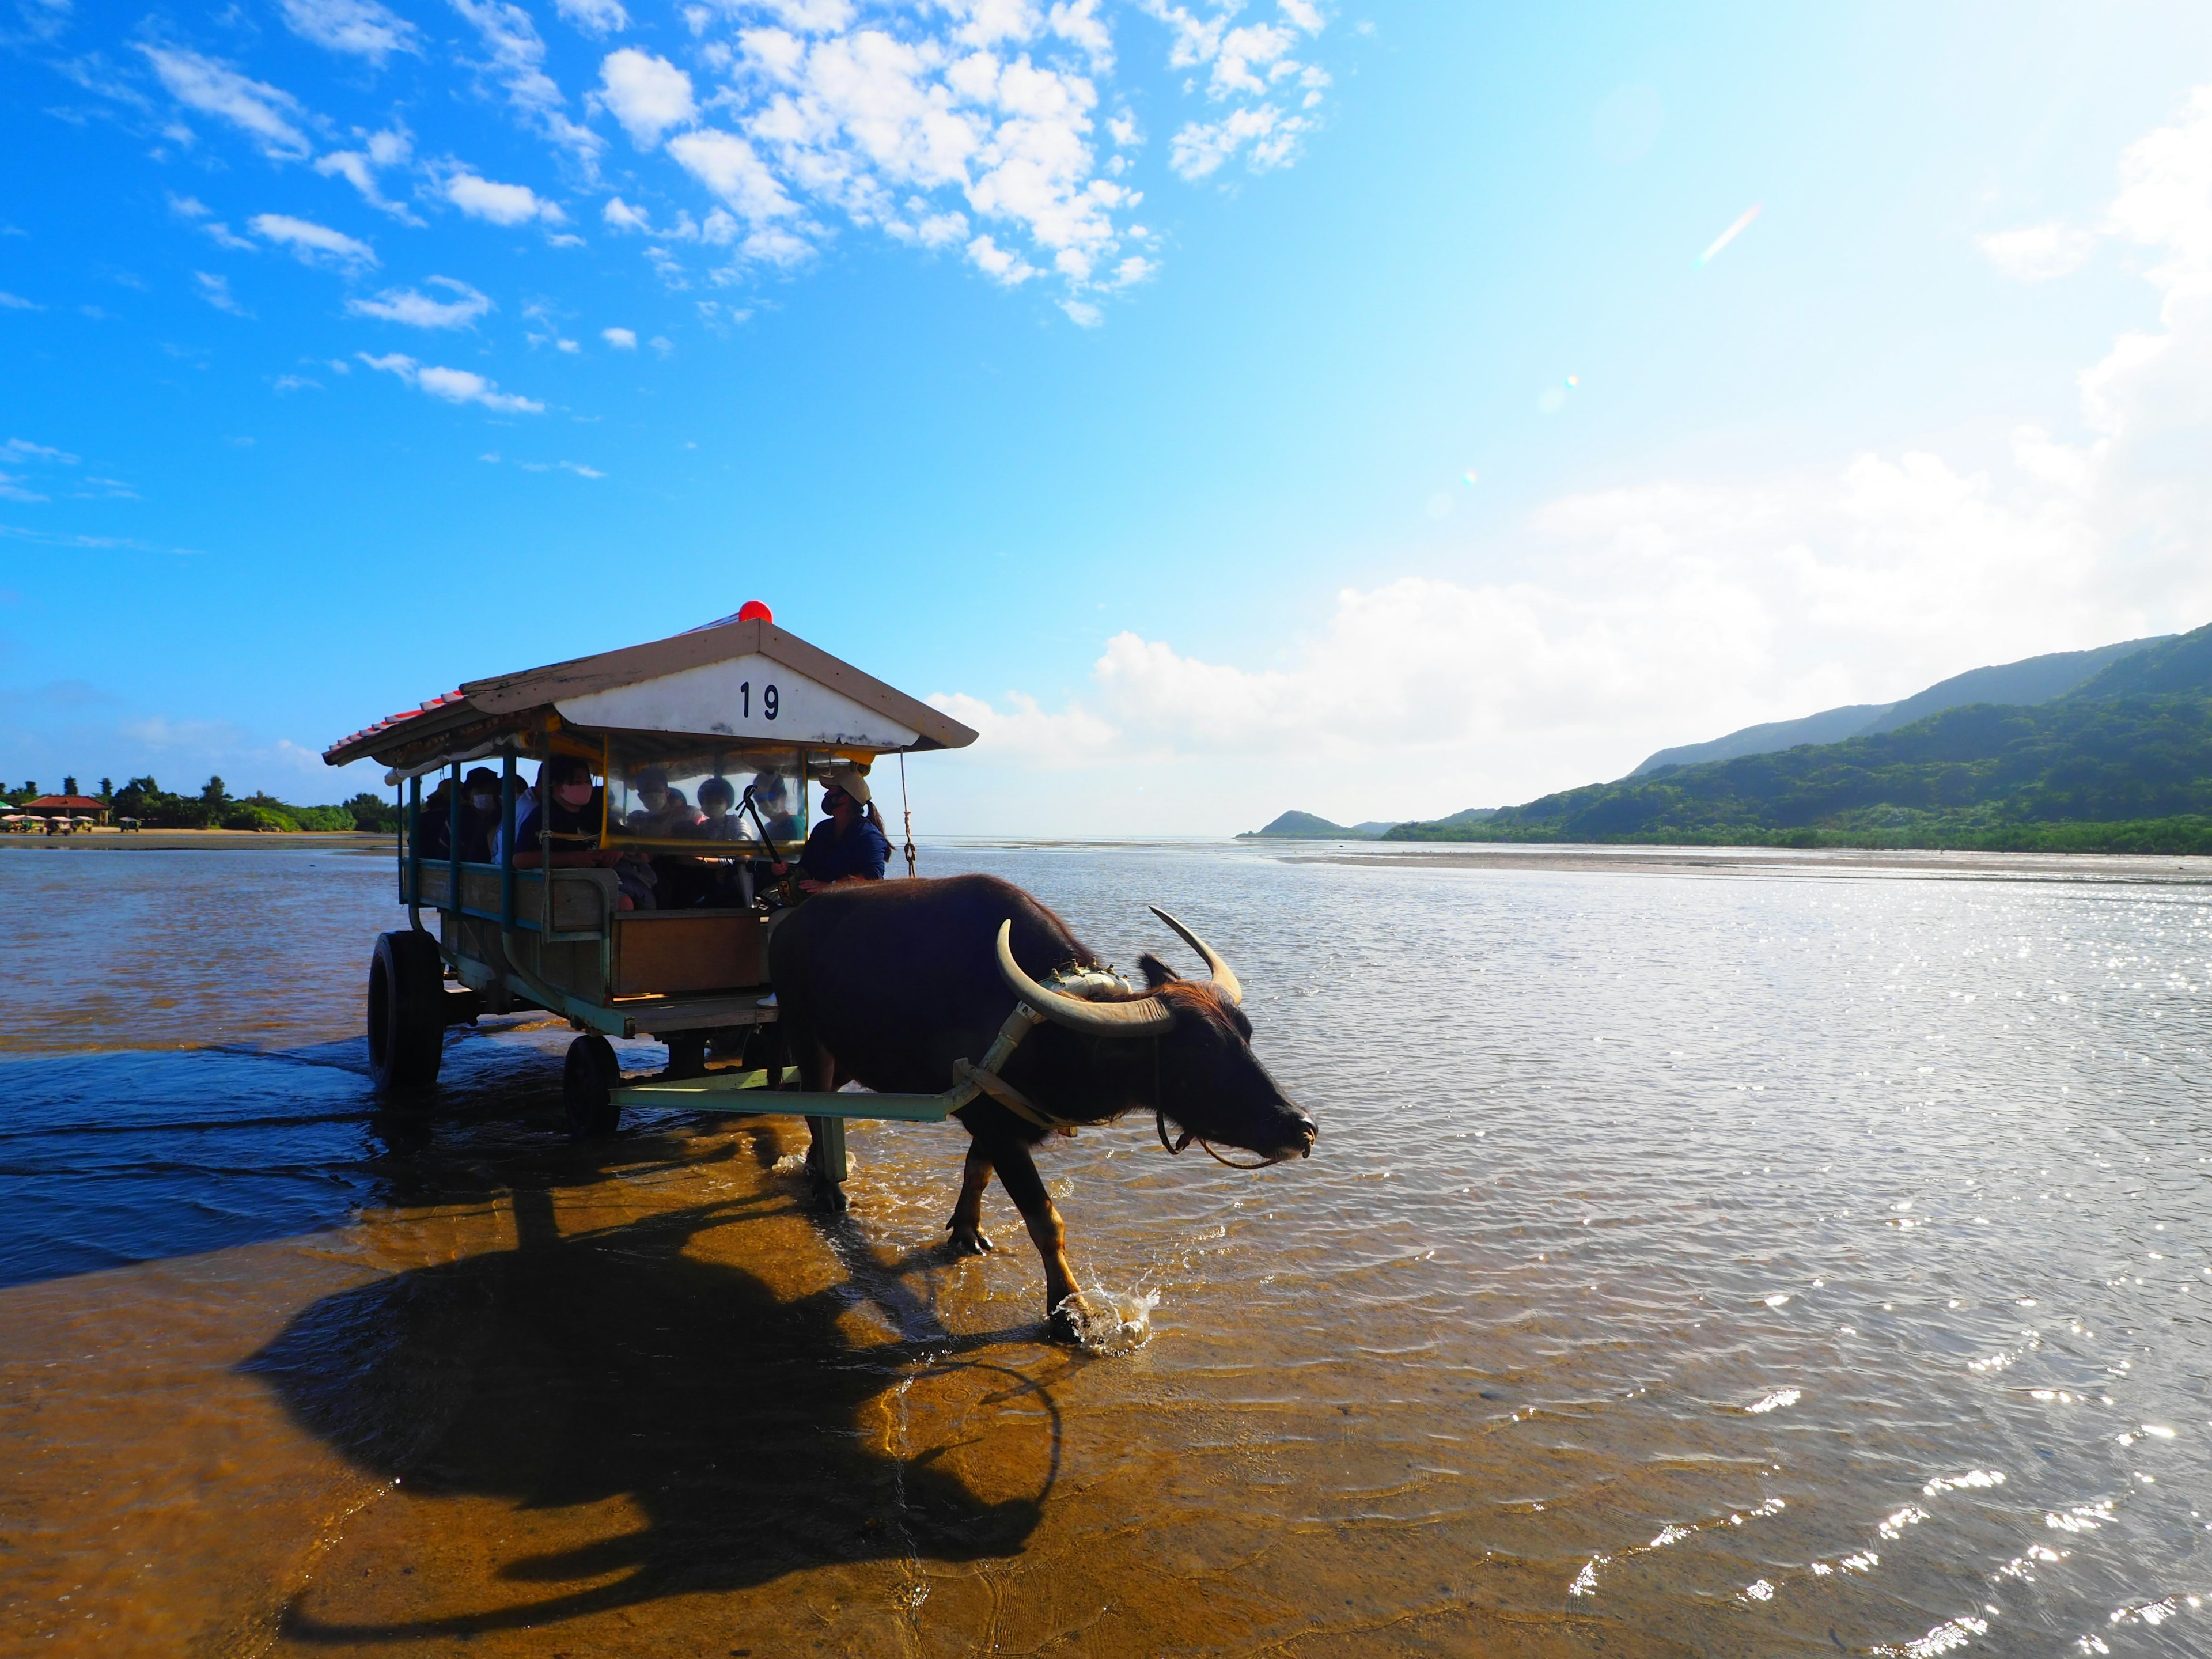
[(740, 714)]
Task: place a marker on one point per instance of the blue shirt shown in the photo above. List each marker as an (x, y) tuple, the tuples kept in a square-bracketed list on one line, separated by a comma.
[(863, 852)]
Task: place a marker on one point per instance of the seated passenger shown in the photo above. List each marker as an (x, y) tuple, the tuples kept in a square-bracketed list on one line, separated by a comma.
[(772, 796), (571, 805), (849, 843), (479, 814), (434, 826), (664, 811), (717, 822)]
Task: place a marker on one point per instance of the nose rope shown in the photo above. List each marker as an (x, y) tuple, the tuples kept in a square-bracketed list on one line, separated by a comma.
[(1160, 1123)]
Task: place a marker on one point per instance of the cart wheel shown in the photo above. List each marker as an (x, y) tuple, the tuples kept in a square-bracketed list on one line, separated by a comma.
[(586, 1080), (406, 1011)]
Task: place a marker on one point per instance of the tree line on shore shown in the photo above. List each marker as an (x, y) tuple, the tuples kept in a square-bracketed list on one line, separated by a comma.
[(213, 807)]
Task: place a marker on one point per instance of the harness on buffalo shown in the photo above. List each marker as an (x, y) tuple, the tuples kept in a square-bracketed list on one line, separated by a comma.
[(983, 1079)]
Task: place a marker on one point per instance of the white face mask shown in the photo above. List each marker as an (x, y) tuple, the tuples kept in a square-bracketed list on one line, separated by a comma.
[(484, 803)]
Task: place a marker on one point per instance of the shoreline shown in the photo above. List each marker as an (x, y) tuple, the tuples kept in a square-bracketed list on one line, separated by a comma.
[(2165, 869), (207, 841)]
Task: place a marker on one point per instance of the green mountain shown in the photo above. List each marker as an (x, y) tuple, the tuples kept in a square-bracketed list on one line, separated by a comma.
[(2123, 762), (1304, 826), (2031, 680), (1829, 725)]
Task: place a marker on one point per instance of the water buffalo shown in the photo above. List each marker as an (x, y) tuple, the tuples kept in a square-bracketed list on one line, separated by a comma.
[(895, 982)]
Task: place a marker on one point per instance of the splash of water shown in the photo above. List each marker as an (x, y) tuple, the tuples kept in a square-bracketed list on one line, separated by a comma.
[(1112, 1321)]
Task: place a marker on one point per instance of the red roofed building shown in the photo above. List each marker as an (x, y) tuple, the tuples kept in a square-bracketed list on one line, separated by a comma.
[(77, 806)]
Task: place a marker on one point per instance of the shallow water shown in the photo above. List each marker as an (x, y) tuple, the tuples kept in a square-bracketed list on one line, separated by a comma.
[(1790, 1260)]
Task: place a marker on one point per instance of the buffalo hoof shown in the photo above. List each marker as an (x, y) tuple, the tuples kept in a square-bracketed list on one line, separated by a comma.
[(967, 1241), (1065, 1319)]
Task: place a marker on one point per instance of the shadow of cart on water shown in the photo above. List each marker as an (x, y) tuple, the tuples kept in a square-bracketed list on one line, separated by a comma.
[(742, 1427)]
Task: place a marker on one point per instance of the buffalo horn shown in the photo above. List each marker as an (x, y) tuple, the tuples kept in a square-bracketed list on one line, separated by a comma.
[(1145, 1017), (1223, 980)]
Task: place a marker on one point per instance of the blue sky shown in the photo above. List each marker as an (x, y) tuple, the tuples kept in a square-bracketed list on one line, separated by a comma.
[(1111, 373)]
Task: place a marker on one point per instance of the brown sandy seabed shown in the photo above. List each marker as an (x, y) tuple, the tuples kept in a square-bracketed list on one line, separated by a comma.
[(588, 1411)]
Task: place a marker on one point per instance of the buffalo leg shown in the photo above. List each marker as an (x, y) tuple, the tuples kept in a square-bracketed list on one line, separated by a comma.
[(967, 1224), (825, 1150), (1017, 1173)]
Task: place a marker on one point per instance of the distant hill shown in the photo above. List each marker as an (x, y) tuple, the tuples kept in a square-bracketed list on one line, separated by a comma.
[(2122, 761), (2031, 680), (1304, 826)]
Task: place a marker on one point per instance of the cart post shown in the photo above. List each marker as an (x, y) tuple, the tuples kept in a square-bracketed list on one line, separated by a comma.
[(415, 853), (507, 846), (454, 848), (827, 1153)]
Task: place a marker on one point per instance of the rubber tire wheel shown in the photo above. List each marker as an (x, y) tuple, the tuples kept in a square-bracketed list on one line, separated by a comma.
[(406, 1011), (586, 1079)]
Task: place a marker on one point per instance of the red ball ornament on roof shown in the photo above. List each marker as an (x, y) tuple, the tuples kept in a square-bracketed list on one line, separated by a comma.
[(754, 610)]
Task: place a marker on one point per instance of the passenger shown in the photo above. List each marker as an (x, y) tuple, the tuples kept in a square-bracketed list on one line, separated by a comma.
[(714, 883), (664, 811), (479, 815), (717, 819), (434, 827), (849, 843), (772, 794), (479, 818), (572, 805)]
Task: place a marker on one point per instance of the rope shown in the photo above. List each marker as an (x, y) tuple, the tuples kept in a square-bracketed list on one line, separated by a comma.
[(906, 807), (1160, 1123)]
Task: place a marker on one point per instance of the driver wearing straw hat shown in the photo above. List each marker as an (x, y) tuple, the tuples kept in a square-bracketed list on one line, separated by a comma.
[(849, 843)]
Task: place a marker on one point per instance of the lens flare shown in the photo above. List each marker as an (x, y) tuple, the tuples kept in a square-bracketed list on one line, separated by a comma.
[(1470, 476), (1729, 234)]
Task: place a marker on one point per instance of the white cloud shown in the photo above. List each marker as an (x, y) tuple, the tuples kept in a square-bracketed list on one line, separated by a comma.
[(1083, 313), (646, 94), (623, 217), (22, 449), (190, 207), (417, 310), (358, 167), (12, 488), (455, 385), (2036, 254), (971, 126), (595, 16), (518, 62), (1268, 137), (362, 27), (622, 339), (269, 115), (17, 302), (498, 204), (729, 166), (996, 263), (215, 290), (310, 243)]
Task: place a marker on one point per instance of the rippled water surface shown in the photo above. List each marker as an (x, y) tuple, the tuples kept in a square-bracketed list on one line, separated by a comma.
[(1785, 1259)]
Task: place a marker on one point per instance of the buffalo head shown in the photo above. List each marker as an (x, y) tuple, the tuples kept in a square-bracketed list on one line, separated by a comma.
[(1185, 1048)]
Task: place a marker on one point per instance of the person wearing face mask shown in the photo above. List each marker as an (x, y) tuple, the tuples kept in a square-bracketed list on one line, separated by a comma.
[(570, 803), (479, 815), (849, 843)]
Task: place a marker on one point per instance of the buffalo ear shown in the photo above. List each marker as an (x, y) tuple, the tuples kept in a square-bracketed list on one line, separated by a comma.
[(1157, 973)]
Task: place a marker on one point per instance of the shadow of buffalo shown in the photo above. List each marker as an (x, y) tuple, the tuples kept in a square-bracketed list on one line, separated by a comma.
[(573, 1370)]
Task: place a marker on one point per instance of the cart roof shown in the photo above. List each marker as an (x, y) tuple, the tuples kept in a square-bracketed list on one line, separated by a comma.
[(710, 684)]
